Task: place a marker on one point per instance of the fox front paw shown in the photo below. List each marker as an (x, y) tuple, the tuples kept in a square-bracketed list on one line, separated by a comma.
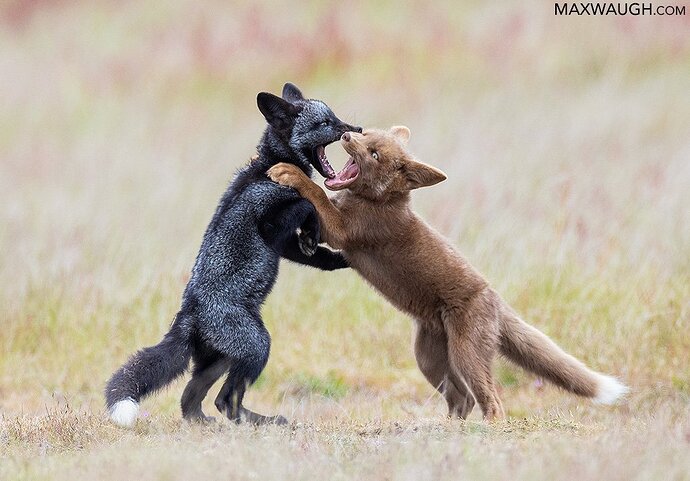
[(307, 242), (287, 174)]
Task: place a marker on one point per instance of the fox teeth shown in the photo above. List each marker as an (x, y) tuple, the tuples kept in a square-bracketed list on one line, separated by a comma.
[(328, 167), (323, 159)]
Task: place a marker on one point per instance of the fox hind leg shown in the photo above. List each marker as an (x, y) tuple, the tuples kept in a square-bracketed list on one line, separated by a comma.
[(471, 357), (230, 398), (247, 346), (206, 373), (231, 395), (431, 352), (477, 373)]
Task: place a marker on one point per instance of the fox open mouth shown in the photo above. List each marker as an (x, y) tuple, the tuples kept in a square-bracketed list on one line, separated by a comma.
[(320, 154), (345, 177)]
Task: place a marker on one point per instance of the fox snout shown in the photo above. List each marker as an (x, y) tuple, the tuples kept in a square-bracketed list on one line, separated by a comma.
[(345, 128), (347, 136), (350, 141)]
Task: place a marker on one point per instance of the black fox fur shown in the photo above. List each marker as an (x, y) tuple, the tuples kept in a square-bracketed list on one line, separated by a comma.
[(256, 222)]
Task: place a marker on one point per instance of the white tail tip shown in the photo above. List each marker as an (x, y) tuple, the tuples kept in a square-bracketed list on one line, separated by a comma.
[(124, 413), (609, 390)]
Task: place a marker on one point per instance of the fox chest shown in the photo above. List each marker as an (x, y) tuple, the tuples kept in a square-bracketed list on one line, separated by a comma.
[(405, 285)]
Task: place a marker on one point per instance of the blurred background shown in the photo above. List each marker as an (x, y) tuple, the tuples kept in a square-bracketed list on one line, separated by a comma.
[(566, 141)]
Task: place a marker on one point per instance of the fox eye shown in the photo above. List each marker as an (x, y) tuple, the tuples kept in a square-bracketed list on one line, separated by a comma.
[(375, 155)]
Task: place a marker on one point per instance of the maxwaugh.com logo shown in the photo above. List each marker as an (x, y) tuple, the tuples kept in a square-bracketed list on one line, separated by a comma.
[(606, 8)]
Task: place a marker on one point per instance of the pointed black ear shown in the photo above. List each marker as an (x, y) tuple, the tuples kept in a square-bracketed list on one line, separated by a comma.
[(279, 113), (291, 93)]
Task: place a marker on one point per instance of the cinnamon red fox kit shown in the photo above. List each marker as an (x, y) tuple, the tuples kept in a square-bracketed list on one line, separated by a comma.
[(461, 322)]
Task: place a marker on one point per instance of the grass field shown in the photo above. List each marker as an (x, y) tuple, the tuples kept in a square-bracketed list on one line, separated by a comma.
[(566, 142)]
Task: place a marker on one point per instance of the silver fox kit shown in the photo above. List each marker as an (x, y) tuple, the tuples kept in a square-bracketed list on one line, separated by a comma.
[(219, 324)]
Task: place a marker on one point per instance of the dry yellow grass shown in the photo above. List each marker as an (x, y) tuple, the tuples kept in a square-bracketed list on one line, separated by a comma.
[(69, 445), (567, 148)]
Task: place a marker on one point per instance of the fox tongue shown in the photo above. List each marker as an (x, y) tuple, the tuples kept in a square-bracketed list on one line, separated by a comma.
[(333, 183), (350, 171), (327, 168), (343, 178)]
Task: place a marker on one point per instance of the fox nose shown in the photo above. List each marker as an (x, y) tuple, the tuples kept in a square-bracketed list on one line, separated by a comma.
[(346, 137)]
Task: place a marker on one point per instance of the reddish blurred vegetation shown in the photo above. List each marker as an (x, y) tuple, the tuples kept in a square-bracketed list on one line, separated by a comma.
[(421, 43)]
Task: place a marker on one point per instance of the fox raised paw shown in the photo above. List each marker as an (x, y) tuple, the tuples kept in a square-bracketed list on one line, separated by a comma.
[(287, 174), (307, 242)]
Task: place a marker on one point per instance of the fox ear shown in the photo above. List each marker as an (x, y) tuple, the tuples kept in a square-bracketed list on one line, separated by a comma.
[(418, 174), (279, 113), (401, 132), (291, 93)]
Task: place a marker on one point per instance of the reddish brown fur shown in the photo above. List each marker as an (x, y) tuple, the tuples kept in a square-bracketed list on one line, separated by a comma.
[(461, 322)]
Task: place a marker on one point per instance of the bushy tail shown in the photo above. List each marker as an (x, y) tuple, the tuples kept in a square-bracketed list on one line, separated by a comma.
[(534, 351), (145, 372)]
